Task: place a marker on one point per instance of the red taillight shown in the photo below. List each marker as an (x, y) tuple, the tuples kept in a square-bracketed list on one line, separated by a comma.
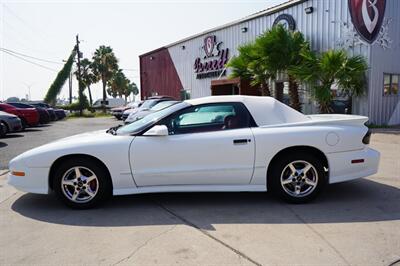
[(357, 161)]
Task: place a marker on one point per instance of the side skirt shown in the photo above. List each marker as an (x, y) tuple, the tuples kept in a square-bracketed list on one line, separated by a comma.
[(191, 188)]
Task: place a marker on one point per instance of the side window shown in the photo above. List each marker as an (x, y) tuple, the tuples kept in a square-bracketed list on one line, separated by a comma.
[(208, 117)]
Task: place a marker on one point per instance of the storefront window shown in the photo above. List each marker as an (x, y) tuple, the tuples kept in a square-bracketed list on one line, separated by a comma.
[(386, 84), (391, 84), (395, 84)]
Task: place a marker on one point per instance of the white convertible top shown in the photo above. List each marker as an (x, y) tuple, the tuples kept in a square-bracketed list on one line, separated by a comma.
[(266, 111)]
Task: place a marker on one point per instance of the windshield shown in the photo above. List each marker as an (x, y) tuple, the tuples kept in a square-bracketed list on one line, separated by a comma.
[(150, 119), (148, 104), (162, 105)]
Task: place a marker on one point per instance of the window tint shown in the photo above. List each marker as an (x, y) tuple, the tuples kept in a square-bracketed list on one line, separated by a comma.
[(206, 118)]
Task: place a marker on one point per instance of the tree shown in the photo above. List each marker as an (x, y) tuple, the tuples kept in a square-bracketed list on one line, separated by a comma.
[(279, 49), (58, 83), (247, 66), (322, 70), (117, 84), (104, 65), (120, 85), (87, 76), (131, 89)]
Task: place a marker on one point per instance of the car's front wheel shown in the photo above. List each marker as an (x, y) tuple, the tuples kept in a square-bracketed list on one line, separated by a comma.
[(82, 183), (298, 177)]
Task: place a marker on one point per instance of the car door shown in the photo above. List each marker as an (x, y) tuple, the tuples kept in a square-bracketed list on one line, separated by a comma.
[(211, 144)]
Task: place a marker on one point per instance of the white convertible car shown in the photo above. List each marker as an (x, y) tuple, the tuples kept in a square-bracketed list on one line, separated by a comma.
[(219, 143)]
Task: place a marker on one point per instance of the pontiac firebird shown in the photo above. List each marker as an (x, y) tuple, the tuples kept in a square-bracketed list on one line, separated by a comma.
[(217, 143)]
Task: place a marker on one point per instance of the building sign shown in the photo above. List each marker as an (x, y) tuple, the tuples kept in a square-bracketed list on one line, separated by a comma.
[(286, 20), (213, 62), (367, 17)]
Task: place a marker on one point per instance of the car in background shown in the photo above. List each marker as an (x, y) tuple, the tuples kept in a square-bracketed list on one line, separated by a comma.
[(2, 130), (10, 122), (142, 113), (340, 106), (28, 116), (118, 111), (44, 116), (55, 113), (147, 104), (111, 103)]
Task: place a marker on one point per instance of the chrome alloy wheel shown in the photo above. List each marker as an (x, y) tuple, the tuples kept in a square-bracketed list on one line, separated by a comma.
[(299, 178), (79, 184)]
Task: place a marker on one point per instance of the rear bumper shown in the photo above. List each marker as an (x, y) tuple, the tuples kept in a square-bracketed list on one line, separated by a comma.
[(341, 167)]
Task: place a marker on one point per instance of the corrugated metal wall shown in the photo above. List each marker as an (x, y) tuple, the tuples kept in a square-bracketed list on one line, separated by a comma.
[(323, 28), (382, 108)]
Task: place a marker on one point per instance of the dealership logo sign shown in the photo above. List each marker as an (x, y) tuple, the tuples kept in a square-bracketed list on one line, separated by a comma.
[(367, 17), (212, 64)]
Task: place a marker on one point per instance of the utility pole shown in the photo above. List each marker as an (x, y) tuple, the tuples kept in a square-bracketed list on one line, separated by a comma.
[(70, 87), (78, 53)]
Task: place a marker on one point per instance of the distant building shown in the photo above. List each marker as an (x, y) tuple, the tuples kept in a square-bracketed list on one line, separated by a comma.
[(194, 67)]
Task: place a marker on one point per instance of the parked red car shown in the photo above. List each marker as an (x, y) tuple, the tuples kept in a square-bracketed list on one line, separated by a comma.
[(28, 116)]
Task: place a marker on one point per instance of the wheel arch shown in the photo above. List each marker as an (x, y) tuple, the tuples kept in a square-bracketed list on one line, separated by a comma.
[(6, 124), (306, 149), (61, 159)]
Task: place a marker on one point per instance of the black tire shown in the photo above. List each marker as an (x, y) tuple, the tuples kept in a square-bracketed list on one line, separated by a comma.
[(103, 184), (281, 169), (3, 130), (24, 124)]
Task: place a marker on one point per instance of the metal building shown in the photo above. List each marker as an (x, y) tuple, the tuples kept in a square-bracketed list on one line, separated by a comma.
[(194, 67)]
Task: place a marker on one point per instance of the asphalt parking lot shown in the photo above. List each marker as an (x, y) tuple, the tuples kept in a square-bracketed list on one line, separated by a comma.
[(353, 223)]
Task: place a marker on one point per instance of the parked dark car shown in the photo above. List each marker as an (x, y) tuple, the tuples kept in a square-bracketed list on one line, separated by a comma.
[(3, 131), (44, 116), (11, 122), (54, 113), (28, 116)]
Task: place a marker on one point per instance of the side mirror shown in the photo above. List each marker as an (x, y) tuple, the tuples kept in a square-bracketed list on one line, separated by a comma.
[(158, 130)]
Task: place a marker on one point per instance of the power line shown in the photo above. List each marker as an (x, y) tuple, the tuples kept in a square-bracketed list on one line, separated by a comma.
[(29, 56), (21, 58), (38, 34)]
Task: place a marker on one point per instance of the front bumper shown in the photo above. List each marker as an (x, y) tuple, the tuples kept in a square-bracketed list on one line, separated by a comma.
[(341, 167), (34, 181), (14, 125)]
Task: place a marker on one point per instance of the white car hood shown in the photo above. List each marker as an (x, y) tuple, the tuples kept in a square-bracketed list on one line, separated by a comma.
[(85, 143)]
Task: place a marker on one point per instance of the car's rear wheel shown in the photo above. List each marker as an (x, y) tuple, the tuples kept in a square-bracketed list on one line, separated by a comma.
[(297, 177), (82, 183)]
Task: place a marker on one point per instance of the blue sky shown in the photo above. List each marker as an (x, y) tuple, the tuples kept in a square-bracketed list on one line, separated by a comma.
[(47, 29)]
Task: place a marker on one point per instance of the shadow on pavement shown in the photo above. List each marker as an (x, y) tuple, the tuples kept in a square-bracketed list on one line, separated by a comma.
[(2, 144), (358, 201), (11, 136), (32, 129)]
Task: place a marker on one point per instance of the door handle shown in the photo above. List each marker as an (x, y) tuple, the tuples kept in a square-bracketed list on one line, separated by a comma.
[(241, 141)]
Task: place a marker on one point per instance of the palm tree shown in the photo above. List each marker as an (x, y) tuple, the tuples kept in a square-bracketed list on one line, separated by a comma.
[(246, 66), (322, 71), (131, 88), (104, 65), (87, 76), (279, 49), (117, 84)]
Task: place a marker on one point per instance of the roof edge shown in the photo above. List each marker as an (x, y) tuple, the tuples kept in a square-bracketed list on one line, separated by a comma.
[(265, 12)]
